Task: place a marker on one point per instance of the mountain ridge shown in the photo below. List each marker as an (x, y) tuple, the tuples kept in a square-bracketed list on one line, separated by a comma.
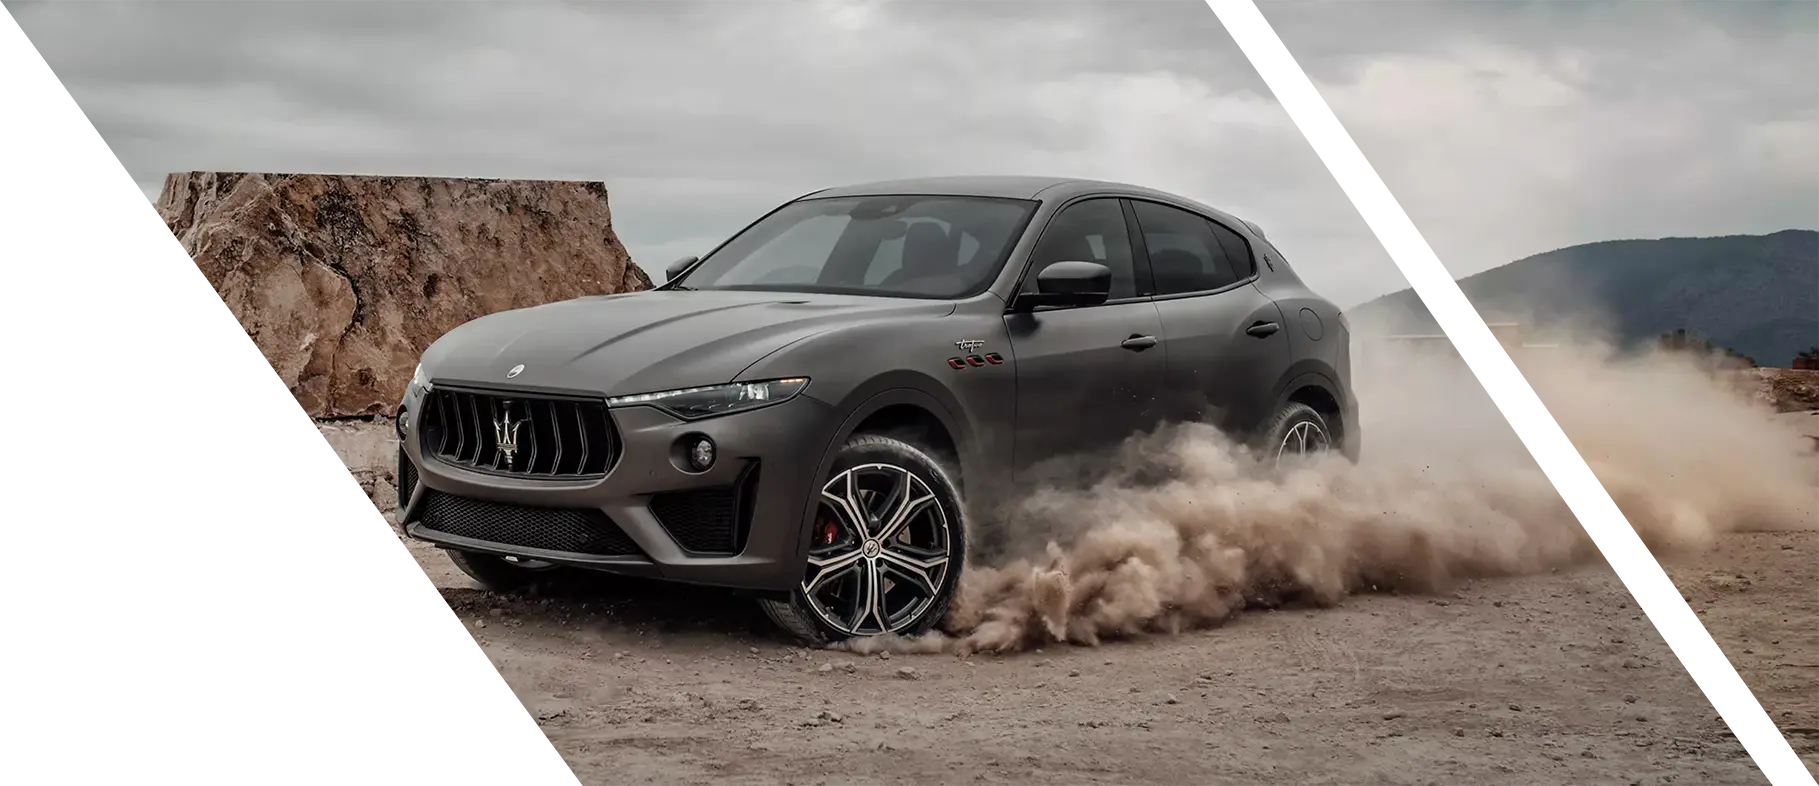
[(1755, 294)]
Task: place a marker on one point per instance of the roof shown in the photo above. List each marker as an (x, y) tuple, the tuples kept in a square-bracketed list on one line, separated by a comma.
[(1001, 186), (1010, 187)]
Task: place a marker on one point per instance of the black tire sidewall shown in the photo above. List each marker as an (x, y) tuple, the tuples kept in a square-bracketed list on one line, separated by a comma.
[(1291, 415), (871, 449), (496, 575)]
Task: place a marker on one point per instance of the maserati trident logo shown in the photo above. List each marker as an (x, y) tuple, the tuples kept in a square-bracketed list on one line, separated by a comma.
[(516, 370), (505, 432), (970, 345)]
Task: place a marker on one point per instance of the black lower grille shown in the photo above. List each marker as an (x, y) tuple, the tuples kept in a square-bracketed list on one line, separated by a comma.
[(574, 531), (514, 434), (711, 520), (407, 480)]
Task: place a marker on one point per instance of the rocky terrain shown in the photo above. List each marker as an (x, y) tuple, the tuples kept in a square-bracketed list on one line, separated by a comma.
[(1786, 390), (343, 280)]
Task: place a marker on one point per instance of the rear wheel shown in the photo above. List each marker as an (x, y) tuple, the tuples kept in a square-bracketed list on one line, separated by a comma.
[(888, 547), (500, 574), (1297, 430)]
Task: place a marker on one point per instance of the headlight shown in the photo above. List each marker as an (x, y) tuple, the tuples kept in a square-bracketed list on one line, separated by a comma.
[(419, 381), (696, 403)]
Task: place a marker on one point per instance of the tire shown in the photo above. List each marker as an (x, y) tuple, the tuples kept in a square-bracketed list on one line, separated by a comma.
[(1297, 429), (495, 574), (917, 564)]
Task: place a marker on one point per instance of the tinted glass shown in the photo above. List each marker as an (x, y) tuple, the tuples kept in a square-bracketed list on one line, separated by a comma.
[(902, 246), (1089, 231), (1184, 254), (1236, 250)]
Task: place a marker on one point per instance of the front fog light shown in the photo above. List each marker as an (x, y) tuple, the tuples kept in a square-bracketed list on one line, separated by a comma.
[(701, 454)]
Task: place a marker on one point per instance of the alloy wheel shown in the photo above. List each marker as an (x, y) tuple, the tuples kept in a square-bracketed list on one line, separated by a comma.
[(1304, 438), (879, 559)]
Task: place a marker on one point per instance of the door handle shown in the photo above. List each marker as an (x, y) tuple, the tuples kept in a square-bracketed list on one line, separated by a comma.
[(1139, 343), (1263, 329)]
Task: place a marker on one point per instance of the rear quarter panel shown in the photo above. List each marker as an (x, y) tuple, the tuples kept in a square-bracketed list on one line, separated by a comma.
[(1319, 339)]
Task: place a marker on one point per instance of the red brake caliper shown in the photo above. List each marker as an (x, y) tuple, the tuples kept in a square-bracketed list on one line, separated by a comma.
[(826, 532)]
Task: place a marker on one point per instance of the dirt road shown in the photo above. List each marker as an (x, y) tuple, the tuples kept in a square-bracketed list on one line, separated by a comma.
[(1545, 679)]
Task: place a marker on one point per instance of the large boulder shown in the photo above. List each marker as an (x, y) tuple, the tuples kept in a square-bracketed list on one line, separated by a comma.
[(342, 281)]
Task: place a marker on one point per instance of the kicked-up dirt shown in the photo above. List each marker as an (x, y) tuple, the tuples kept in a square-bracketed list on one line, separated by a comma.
[(1546, 679), (1552, 678)]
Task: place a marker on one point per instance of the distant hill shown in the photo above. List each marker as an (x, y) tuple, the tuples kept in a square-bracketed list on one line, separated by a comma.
[(1755, 294)]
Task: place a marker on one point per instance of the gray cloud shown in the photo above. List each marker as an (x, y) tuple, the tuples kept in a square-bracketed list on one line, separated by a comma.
[(1505, 128)]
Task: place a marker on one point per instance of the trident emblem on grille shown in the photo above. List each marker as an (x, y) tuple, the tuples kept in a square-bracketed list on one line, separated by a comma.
[(506, 431)]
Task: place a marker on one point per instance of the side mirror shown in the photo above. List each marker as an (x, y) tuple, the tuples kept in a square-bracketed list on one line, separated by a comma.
[(678, 267), (1068, 284)]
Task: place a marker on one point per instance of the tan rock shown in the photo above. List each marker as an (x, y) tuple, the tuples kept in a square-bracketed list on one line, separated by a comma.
[(342, 281), (1784, 389)]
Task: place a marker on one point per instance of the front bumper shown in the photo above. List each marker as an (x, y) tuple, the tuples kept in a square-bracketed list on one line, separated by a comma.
[(739, 524)]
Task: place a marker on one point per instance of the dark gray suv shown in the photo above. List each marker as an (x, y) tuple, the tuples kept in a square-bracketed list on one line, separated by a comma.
[(801, 412)]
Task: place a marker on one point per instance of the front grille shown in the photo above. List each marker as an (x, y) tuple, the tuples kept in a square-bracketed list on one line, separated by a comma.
[(407, 479), (573, 531), (542, 436), (711, 520)]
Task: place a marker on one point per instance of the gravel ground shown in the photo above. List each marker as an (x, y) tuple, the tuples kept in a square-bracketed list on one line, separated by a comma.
[(1546, 679)]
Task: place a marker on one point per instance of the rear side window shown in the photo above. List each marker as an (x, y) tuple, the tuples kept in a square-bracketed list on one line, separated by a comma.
[(1185, 254), (1236, 250)]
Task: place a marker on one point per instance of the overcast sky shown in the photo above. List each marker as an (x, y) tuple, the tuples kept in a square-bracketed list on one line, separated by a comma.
[(1505, 128)]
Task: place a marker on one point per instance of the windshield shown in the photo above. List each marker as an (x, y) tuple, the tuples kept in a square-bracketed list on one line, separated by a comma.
[(894, 246)]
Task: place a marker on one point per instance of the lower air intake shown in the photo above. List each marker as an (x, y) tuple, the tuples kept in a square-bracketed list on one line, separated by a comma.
[(710, 521), (587, 532), (407, 480)]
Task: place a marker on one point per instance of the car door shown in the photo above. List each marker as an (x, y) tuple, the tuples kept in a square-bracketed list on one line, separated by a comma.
[(1226, 343), (1086, 376)]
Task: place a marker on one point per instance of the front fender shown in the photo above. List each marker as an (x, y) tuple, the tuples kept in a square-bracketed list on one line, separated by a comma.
[(869, 404)]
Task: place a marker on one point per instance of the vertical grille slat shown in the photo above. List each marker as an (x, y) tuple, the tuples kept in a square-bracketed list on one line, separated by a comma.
[(442, 420), (581, 431), (555, 421), (463, 427)]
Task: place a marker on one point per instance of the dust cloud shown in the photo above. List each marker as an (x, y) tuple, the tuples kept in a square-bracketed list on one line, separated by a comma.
[(1183, 529)]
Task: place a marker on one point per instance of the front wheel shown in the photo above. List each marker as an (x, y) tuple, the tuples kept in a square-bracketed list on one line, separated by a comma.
[(502, 575), (888, 546)]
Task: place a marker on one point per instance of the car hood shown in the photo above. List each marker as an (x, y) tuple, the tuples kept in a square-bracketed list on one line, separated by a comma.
[(644, 342)]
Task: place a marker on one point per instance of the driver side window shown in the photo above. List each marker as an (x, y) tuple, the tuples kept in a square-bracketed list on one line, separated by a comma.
[(1088, 231)]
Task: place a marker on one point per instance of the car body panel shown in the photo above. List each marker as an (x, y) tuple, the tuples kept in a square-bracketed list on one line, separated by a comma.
[(1078, 390), (646, 342), (1217, 372)]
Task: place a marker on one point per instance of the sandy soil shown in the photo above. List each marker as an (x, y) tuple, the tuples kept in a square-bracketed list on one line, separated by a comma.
[(1759, 597), (1545, 679)]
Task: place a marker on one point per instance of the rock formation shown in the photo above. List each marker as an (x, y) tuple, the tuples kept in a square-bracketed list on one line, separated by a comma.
[(342, 281), (1786, 390)]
